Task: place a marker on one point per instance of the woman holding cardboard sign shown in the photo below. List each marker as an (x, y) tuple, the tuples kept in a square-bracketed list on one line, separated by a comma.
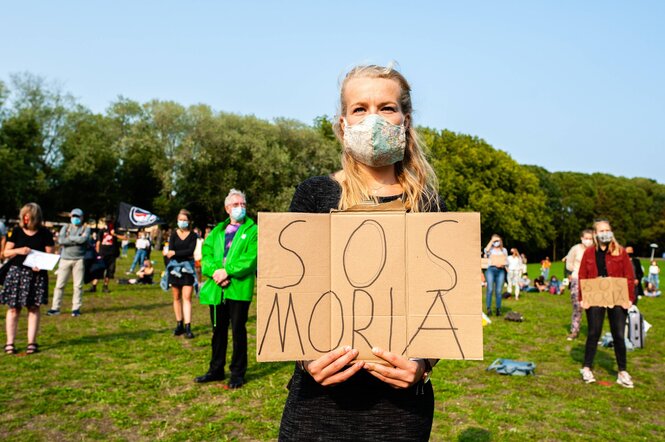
[(606, 259), (337, 397)]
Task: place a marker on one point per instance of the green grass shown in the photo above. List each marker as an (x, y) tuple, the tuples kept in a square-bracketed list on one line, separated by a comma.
[(116, 373)]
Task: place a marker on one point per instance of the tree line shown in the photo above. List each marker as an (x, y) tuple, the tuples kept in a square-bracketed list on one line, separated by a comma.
[(163, 156)]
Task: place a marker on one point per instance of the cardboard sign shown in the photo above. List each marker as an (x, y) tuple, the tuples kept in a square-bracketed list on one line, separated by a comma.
[(408, 283), (605, 292), (498, 260)]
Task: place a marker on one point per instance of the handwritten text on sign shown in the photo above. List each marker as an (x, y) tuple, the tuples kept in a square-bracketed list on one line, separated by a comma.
[(605, 292), (408, 283)]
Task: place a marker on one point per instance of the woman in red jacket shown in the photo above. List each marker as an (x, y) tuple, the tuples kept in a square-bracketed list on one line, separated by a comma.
[(606, 259)]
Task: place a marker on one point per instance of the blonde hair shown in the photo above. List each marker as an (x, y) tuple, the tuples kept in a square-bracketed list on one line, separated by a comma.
[(414, 173), (34, 212), (614, 247)]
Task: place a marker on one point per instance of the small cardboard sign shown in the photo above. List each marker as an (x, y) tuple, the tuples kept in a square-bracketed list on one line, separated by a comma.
[(498, 260), (605, 292), (405, 282)]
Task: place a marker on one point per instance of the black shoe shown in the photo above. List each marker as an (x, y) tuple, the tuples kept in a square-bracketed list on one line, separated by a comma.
[(179, 329), (498, 312), (236, 383), (209, 377), (489, 312), (92, 289), (106, 289), (188, 331), (52, 312)]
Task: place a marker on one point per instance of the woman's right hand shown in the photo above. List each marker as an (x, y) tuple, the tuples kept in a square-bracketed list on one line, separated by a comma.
[(329, 368), (23, 251)]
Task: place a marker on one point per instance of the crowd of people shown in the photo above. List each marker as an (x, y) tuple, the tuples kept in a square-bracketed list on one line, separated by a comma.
[(335, 397)]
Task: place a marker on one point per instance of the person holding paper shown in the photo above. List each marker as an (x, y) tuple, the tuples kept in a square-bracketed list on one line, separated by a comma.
[(24, 286), (606, 259), (337, 397), (73, 241), (495, 274)]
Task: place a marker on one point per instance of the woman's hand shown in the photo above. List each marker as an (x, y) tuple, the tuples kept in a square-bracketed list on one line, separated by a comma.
[(402, 372), (584, 304), (171, 254), (627, 305), (23, 250), (329, 368)]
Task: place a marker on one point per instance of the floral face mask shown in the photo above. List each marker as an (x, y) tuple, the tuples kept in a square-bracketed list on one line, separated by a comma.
[(374, 141)]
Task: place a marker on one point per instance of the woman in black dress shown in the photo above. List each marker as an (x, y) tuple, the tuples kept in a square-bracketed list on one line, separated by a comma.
[(24, 286), (336, 397), (181, 273)]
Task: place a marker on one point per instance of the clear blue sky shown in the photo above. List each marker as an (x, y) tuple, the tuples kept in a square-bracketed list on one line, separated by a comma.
[(567, 85)]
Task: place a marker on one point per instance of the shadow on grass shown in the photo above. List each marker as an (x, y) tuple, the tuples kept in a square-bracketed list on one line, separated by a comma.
[(123, 336), (604, 357), (474, 434), (264, 369), (140, 307)]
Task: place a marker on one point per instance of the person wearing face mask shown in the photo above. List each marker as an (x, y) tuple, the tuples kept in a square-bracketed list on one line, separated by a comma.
[(573, 261), (73, 239), (229, 257), (337, 397), (24, 286), (638, 271), (514, 272), (606, 259), (181, 273), (495, 274)]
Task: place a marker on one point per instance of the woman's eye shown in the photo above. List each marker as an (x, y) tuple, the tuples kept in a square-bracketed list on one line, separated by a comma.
[(358, 110)]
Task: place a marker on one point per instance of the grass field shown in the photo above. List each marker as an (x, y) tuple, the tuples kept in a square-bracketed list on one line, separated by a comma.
[(117, 373)]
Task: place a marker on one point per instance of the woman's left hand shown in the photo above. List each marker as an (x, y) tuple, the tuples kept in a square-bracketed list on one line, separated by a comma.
[(402, 372), (171, 254)]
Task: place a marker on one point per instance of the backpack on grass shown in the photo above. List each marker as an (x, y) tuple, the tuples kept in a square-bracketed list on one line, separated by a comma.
[(514, 368)]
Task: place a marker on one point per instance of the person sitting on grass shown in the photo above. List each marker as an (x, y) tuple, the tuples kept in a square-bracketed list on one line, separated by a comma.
[(539, 284), (555, 286), (144, 274), (524, 282), (650, 290)]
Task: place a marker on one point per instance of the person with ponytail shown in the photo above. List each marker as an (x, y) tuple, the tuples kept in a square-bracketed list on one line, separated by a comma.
[(607, 258), (337, 397)]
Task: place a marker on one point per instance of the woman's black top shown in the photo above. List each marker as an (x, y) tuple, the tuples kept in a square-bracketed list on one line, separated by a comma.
[(39, 241), (601, 264), (183, 248), (363, 407)]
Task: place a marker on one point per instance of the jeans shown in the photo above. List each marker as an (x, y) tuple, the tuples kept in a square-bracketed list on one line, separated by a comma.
[(138, 259), (66, 267), (495, 277), (654, 279), (595, 317)]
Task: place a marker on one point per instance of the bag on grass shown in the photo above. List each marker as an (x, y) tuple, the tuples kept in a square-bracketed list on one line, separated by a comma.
[(635, 324), (514, 368), (514, 316)]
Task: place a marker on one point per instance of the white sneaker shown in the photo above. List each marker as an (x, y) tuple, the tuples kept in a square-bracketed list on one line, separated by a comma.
[(587, 375), (625, 380)]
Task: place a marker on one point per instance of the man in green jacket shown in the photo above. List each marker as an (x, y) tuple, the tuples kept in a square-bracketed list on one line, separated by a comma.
[(229, 260)]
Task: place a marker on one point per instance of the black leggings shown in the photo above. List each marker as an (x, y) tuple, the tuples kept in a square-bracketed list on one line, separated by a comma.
[(595, 317)]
